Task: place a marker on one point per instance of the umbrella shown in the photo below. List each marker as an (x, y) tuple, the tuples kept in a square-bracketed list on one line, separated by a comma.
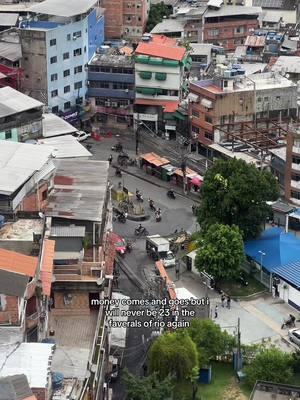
[(196, 181)]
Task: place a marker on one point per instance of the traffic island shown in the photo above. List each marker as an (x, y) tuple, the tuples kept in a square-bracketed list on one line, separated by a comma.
[(132, 216)]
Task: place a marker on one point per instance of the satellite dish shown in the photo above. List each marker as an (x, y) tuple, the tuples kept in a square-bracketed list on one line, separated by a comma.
[(41, 215), (287, 75)]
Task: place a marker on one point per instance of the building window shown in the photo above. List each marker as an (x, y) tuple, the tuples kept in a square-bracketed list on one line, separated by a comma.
[(53, 77), (77, 52), (259, 99), (52, 42), (84, 49), (208, 119), (78, 85), (53, 60), (213, 32), (209, 135), (67, 105), (79, 100), (195, 113), (78, 69), (266, 98), (66, 56), (121, 85), (101, 85), (139, 18), (76, 34), (295, 195), (8, 134), (225, 84), (66, 73), (54, 93), (277, 97), (239, 29), (104, 69), (67, 89), (68, 37), (44, 195), (54, 109)]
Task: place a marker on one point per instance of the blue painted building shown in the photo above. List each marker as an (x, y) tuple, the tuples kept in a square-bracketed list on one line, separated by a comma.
[(58, 40)]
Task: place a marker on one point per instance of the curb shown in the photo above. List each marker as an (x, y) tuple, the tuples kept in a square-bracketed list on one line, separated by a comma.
[(249, 297), (154, 183)]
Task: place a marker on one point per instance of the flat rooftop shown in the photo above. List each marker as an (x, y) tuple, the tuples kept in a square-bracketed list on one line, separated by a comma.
[(80, 189), (168, 25), (66, 146), (55, 126), (63, 9), (112, 59), (23, 229), (290, 64), (12, 102), (74, 337)]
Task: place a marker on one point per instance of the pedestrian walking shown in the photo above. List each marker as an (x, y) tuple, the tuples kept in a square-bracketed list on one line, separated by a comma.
[(228, 302), (177, 271), (110, 158), (216, 311), (223, 300)]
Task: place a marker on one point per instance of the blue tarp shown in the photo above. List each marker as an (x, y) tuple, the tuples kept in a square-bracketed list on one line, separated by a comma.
[(280, 249)]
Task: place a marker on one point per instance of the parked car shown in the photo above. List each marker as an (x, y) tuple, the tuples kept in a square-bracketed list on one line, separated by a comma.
[(294, 336), (81, 135)]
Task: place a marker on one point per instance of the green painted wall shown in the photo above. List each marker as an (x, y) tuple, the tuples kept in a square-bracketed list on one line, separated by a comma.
[(14, 135)]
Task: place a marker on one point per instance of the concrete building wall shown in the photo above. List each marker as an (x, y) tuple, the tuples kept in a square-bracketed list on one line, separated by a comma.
[(9, 313), (95, 31), (34, 64)]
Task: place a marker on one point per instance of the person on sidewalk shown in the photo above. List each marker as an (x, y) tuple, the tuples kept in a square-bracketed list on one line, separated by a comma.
[(223, 300), (228, 302), (216, 311), (110, 158)]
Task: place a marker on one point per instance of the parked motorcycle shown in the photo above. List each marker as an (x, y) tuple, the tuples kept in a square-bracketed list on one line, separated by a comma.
[(171, 194), (289, 323), (129, 247), (139, 196), (118, 148), (141, 230), (151, 205)]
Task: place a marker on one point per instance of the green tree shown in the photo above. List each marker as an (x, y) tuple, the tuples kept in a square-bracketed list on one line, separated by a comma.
[(271, 365), (210, 340), (221, 251), (156, 14), (148, 388), (235, 193), (173, 353)]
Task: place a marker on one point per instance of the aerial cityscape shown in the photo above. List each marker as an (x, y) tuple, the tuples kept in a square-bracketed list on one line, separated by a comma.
[(149, 199)]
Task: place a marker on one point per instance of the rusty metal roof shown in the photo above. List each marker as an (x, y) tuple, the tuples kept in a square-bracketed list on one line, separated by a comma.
[(255, 41), (80, 189)]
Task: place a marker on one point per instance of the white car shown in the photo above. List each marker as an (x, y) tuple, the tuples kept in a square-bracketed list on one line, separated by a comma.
[(294, 336), (81, 135)]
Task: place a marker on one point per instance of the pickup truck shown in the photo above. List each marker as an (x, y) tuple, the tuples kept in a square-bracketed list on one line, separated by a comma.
[(158, 248)]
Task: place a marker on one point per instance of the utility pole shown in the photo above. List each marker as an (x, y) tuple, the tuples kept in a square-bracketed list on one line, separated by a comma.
[(239, 355)]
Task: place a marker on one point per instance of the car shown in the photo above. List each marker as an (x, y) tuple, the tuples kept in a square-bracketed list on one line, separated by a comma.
[(294, 336), (81, 135)]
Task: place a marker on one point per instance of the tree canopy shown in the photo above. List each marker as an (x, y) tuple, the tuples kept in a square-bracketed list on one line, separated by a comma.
[(156, 14), (271, 365), (173, 353), (148, 388), (235, 193), (210, 340), (220, 252)]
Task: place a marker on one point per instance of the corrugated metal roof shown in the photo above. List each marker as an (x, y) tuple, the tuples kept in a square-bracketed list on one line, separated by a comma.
[(276, 4), (63, 9), (13, 102), (18, 263), (80, 189), (54, 126), (30, 359), (233, 10), (154, 159), (15, 387), (255, 41), (12, 284), (68, 231), (18, 162), (162, 46), (65, 147), (168, 25), (47, 266), (8, 19), (289, 273)]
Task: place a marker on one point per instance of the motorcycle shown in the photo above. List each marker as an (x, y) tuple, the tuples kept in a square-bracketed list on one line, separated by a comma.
[(118, 172), (171, 194), (139, 197), (118, 148), (141, 230), (158, 217), (151, 205), (194, 209), (128, 247), (289, 323), (120, 218)]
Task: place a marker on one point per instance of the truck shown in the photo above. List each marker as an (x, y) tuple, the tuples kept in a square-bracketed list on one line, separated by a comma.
[(158, 248)]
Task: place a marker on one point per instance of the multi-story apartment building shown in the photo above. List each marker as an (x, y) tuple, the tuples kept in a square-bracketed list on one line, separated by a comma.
[(58, 40), (230, 25), (292, 168), (230, 98), (125, 18), (20, 116), (111, 87), (161, 72)]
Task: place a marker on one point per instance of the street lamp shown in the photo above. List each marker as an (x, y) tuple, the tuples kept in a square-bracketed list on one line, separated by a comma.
[(262, 254)]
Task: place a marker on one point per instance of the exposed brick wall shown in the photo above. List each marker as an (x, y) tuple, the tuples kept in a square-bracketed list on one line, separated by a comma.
[(10, 310), (40, 394), (34, 202)]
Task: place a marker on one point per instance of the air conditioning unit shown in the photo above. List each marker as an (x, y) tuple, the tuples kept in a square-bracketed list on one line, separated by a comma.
[(107, 104), (114, 104)]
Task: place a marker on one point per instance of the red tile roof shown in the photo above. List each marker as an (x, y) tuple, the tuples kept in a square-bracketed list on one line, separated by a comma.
[(170, 106), (47, 266), (18, 263), (161, 46)]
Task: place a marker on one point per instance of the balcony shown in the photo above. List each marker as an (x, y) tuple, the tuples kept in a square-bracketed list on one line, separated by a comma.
[(110, 77), (111, 93)]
